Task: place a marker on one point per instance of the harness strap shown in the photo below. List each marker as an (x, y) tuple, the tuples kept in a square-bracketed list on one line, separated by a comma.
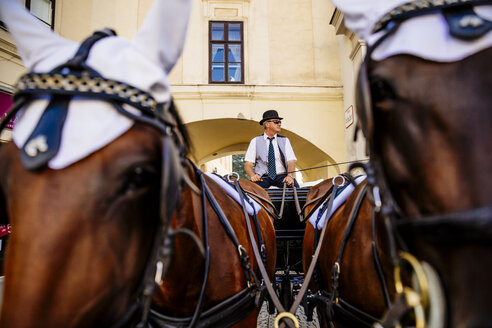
[(419, 8), (257, 256), (473, 225), (222, 315), (323, 197), (281, 211), (248, 272), (261, 245), (314, 259), (296, 201), (347, 313), (341, 250), (272, 214), (397, 311), (199, 305), (377, 262), (321, 200), (85, 48)]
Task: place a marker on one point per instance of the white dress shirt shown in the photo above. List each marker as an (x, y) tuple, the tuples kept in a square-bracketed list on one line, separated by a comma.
[(289, 153)]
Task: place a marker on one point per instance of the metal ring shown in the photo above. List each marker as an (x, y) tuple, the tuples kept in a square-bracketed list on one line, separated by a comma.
[(421, 277), (288, 315), (333, 181), (414, 300), (159, 268), (418, 301), (241, 250)]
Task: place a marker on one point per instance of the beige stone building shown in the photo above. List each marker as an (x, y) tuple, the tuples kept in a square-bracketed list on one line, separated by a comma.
[(241, 57)]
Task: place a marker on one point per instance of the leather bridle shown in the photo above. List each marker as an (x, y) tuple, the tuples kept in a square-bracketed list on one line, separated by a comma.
[(76, 78), (461, 227)]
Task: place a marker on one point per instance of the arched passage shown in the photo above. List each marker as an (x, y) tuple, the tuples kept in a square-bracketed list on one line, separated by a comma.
[(216, 138)]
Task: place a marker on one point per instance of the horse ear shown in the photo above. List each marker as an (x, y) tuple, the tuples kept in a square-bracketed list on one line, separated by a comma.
[(34, 40), (364, 103), (162, 35)]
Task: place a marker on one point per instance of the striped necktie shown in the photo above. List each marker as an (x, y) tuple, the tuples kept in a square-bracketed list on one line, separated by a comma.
[(272, 172)]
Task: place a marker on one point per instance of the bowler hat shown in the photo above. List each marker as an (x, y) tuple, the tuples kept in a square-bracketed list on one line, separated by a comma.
[(270, 115)]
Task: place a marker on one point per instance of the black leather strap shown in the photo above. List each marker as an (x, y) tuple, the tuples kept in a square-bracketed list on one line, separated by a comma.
[(44, 142), (223, 315), (419, 8), (85, 48), (262, 199), (459, 227), (465, 24)]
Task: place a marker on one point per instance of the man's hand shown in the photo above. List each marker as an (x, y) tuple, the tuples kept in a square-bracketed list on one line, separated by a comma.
[(255, 177), (248, 167), (289, 180)]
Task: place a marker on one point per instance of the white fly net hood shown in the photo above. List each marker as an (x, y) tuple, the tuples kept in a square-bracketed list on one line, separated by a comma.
[(424, 36), (144, 62)]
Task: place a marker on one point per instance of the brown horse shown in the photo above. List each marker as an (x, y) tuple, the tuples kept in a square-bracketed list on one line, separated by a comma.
[(77, 250), (429, 129), (178, 296), (363, 289)]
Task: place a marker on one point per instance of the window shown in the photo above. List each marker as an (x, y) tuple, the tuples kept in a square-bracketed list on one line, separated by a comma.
[(226, 63), (42, 9)]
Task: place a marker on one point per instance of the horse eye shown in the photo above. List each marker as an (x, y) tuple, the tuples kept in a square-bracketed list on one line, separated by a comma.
[(381, 91), (140, 177)]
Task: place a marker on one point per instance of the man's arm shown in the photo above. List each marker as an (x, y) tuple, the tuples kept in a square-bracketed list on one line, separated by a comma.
[(249, 159), (248, 167), (291, 163)]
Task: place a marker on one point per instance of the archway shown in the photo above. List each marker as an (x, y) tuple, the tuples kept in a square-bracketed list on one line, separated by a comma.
[(215, 138)]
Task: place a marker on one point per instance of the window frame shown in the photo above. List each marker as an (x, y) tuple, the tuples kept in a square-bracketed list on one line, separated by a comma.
[(27, 5), (226, 42)]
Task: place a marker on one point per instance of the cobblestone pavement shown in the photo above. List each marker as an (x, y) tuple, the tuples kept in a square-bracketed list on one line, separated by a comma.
[(266, 321)]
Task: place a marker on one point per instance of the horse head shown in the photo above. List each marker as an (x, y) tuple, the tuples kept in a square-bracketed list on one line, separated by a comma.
[(424, 106), (93, 175)]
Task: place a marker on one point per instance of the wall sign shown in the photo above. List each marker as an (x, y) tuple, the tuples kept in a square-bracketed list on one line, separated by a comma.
[(349, 116)]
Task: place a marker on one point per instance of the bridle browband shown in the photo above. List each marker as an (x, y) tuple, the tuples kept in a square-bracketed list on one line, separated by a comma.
[(465, 226), (76, 79)]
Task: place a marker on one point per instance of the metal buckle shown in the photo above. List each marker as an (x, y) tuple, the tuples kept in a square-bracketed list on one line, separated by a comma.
[(288, 315), (417, 300), (334, 180)]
